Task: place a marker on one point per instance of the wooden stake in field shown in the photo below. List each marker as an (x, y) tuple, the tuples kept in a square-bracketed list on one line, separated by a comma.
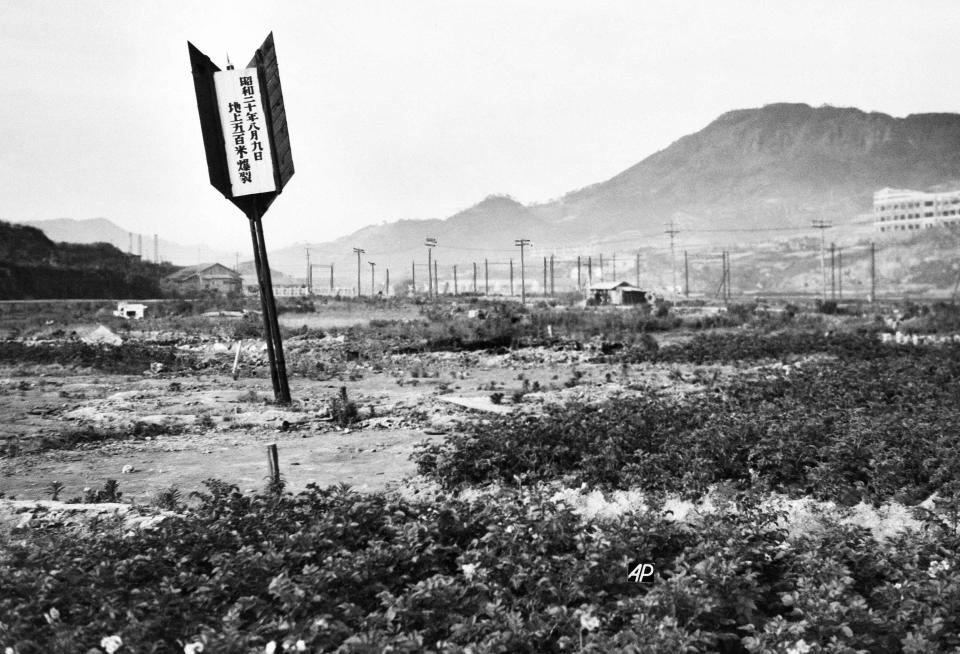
[(273, 463), (236, 362), (244, 127)]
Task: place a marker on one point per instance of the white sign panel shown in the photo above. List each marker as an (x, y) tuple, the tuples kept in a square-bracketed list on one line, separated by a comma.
[(244, 131)]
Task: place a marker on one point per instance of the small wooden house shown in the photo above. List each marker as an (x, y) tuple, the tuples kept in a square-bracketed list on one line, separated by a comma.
[(205, 277), (617, 293)]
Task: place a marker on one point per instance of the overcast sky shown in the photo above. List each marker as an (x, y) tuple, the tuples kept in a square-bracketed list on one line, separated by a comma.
[(418, 109)]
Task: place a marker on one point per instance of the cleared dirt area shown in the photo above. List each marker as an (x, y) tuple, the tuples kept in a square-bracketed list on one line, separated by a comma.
[(79, 427)]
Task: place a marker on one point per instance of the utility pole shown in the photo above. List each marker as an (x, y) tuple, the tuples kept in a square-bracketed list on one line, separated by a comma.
[(511, 276), (359, 251), (309, 273), (840, 273), (589, 272), (822, 225), (373, 267), (553, 279), (522, 243), (579, 280), (613, 266), (436, 280), (873, 273), (486, 277), (545, 277), (431, 243), (386, 285), (673, 231), (474, 277), (726, 276), (456, 289), (601, 267), (833, 272), (686, 276), (637, 267)]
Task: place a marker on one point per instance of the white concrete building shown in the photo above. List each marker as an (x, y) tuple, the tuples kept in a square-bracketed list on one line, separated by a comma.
[(900, 210)]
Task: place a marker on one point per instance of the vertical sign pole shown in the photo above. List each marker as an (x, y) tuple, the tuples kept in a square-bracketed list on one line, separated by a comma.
[(436, 281), (429, 272), (281, 363), (267, 327)]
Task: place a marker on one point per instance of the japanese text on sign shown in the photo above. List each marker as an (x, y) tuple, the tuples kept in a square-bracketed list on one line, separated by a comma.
[(244, 131)]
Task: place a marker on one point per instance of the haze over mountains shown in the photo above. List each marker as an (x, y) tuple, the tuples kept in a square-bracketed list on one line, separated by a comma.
[(750, 170)]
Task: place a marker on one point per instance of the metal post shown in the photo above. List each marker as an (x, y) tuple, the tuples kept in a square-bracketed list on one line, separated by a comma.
[(429, 272), (373, 290)]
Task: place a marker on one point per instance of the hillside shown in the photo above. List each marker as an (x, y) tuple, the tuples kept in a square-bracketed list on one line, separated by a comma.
[(101, 230), (780, 165), (34, 267), (752, 177)]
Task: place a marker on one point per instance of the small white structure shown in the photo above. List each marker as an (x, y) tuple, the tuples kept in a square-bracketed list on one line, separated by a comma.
[(130, 310)]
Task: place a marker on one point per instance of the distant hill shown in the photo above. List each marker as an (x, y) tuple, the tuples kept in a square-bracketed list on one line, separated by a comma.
[(777, 166), (752, 176), (34, 267), (101, 230)]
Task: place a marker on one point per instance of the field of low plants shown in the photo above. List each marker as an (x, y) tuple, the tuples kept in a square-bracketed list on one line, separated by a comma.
[(486, 552)]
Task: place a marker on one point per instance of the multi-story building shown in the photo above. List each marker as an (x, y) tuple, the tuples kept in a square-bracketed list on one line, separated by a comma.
[(899, 210)]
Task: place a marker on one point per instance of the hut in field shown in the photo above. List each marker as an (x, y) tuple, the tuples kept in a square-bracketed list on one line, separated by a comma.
[(617, 294)]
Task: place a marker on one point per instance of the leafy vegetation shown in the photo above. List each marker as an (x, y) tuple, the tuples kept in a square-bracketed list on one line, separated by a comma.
[(348, 572), (842, 430)]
